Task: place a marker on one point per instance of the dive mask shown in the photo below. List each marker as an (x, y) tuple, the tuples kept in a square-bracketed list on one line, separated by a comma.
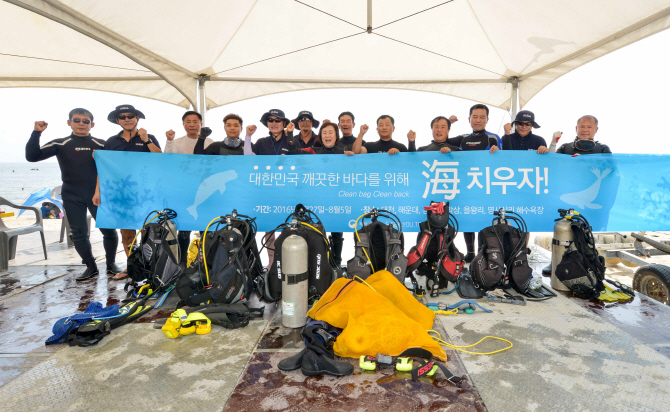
[(231, 142), (584, 145)]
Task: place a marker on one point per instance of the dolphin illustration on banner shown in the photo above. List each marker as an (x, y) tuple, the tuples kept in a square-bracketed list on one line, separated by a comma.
[(208, 187), (584, 198)]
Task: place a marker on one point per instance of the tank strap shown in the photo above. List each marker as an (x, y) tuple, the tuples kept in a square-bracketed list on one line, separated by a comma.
[(296, 278), (362, 244), (557, 242)]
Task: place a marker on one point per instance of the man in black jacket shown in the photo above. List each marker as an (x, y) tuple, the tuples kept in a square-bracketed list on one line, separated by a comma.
[(79, 175), (440, 127)]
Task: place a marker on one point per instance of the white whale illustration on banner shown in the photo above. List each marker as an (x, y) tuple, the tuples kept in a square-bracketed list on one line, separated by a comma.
[(584, 198), (207, 188)]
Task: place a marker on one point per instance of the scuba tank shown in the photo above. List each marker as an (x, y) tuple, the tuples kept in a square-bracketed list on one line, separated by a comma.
[(294, 282), (561, 243)]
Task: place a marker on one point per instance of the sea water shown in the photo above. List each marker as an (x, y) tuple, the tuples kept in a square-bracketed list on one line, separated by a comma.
[(19, 180)]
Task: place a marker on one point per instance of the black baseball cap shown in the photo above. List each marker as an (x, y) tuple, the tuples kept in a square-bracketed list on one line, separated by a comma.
[(526, 116)]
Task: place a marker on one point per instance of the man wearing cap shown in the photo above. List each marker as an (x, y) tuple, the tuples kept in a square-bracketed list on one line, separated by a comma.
[(385, 144), (279, 142), (523, 137), (305, 121), (79, 176), (129, 139), (192, 122), (584, 143)]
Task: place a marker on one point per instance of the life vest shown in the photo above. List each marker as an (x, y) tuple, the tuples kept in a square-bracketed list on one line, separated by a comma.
[(222, 272), (502, 259), (435, 255), (322, 270), (582, 270), (379, 246), (154, 263)]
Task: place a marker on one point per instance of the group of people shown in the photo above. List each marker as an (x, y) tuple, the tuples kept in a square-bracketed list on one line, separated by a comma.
[(81, 188)]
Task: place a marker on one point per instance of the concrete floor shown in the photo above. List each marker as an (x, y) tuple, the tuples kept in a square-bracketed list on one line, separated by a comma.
[(569, 354)]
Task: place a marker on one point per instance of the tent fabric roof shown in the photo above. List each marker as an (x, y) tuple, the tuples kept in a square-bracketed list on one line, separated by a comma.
[(472, 49)]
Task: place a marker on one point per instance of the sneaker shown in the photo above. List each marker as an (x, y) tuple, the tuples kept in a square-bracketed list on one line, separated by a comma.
[(88, 273), (314, 364)]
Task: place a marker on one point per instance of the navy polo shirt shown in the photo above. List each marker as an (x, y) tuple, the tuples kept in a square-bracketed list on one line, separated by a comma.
[(135, 144), (268, 146), (514, 141)]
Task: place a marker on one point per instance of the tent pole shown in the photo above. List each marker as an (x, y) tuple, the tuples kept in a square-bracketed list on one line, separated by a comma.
[(369, 16), (515, 96), (202, 108)]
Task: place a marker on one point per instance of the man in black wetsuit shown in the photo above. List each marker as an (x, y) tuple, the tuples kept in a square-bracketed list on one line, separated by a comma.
[(306, 122), (129, 139), (523, 138), (385, 144), (346, 125), (584, 143), (79, 175), (479, 139), (232, 144), (440, 126)]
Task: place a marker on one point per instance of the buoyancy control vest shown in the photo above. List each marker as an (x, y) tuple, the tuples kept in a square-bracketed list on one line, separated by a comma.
[(321, 266), (435, 255), (155, 261), (379, 246), (582, 270), (222, 272), (502, 259)]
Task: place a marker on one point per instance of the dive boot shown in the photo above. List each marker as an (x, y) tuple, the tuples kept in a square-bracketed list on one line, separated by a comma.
[(314, 364), (88, 273), (547, 270), (292, 363), (469, 257), (113, 269)]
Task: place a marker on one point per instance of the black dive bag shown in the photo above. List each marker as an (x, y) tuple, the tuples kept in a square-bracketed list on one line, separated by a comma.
[(321, 266), (582, 270), (502, 258), (435, 254), (379, 246), (155, 261), (222, 271)]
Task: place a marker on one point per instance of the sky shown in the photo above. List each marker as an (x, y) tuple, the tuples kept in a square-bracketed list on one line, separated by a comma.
[(627, 90)]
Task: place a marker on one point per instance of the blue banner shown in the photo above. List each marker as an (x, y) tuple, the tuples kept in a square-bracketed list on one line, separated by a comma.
[(615, 192)]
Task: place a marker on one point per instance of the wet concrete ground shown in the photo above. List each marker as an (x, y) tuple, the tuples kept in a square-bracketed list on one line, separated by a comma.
[(562, 357)]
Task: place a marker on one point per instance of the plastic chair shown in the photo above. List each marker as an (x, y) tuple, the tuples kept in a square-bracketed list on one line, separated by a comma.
[(65, 224), (9, 236)]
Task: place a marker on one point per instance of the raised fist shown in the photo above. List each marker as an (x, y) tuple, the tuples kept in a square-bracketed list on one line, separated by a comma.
[(251, 129), (453, 119), (204, 132), (143, 135), (508, 128), (41, 126), (364, 129), (290, 127), (411, 135), (556, 137), (170, 135), (325, 121)]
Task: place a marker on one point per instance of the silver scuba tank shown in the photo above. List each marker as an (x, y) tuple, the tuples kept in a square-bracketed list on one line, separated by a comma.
[(295, 275), (172, 231), (561, 243)]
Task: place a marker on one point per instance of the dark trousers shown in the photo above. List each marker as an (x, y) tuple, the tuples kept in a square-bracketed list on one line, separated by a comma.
[(184, 240), (75, 210), (337, 241), (469, 241)]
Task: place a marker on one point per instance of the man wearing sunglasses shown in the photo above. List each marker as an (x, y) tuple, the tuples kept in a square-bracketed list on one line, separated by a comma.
[(79, 176), (523, 137), (280, 141), (129, 139), (305, 121)]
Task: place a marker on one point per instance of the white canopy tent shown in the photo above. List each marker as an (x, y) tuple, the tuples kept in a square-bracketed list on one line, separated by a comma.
[(231, 50)]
